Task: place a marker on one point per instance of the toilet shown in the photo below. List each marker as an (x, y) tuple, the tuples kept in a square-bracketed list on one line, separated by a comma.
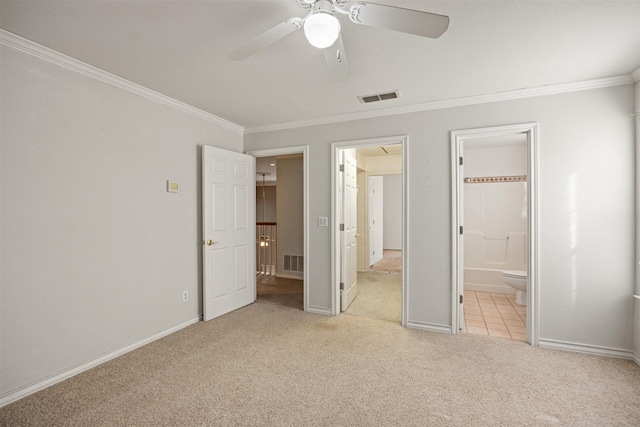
[(518, 281)]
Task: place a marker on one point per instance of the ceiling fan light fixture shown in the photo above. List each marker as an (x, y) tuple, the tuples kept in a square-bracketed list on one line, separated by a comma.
[(322, 30)]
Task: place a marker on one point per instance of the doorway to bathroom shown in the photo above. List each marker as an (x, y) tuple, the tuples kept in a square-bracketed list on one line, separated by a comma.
[(494, 232)]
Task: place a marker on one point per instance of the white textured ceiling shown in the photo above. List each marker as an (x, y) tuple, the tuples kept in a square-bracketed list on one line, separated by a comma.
[(178, 48)]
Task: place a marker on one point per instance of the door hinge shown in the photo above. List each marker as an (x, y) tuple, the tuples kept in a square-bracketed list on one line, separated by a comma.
[(461, 299), (341, 168), (341, 227), (461, 161), (461, 230), (341, 286)]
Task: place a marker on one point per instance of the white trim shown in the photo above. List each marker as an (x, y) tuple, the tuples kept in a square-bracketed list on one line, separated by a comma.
[(31, 48), (636, 358), (587, 349), (442, 329), (450, 103), (290, 276), (335, 234), (319, 310), (14, 395), (304, 149), (457, 137), (404, 320)]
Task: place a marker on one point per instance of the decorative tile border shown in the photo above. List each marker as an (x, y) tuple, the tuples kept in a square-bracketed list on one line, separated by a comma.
[(494, 179)]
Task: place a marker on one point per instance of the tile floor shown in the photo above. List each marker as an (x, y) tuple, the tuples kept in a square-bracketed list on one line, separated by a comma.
[(496, 315)]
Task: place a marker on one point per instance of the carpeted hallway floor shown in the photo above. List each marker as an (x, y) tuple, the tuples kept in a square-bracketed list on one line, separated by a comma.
[(379, 296), (272, 364), (391, 261)]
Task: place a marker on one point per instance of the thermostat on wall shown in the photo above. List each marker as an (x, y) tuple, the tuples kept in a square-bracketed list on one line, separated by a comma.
[(173, 186)]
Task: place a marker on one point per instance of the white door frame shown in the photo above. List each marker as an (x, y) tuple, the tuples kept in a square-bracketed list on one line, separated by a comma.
[(457, 138), (304, 150), (335, 215)]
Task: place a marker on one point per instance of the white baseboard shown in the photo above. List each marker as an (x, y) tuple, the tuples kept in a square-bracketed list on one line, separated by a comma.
[(289, 276), (636, 358), (18, 394), (588, 349), (429, 327), (319, 310), (482, 287)]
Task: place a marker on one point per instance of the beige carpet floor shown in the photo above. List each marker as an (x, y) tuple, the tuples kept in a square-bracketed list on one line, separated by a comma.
[(280, 291), (379, 296), (274, 365), (391, 261)]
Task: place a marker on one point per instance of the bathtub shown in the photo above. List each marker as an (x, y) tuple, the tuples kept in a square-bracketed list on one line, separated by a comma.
[(486, 257), (486, 280)]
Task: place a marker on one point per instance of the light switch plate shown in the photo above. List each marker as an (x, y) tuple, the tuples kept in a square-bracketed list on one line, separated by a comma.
[(323, 221), (173, 186)]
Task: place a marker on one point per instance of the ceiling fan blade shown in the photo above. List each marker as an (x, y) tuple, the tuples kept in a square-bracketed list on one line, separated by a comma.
[(337, 61), (265, 39), (395, 18)]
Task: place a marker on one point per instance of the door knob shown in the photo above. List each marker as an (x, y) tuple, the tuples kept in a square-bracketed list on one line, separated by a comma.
[(210, 242), (357, 234)]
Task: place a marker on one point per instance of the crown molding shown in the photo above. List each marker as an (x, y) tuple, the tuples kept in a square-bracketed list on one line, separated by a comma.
[(27, 46), (451, 103), (32, 48)]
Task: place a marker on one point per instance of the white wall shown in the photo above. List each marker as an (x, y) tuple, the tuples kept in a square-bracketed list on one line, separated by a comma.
[(268, 205), (375, 189), (290, 210), (363, 227), (392, 212), (636, 339), (383, 165), (95, 254), (586, 207)]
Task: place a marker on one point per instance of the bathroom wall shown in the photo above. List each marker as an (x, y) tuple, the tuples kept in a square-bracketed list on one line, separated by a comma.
[(495, 214)]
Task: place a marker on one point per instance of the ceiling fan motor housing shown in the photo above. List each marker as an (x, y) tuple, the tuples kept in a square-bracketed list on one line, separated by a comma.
[(309, 5)]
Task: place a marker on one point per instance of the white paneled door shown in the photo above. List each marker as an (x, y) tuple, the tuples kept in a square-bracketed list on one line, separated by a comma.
[(228, 201), (349, 277)]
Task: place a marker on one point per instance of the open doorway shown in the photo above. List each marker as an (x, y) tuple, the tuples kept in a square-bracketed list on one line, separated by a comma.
[(281, 226), (494, 197), (371, 225)]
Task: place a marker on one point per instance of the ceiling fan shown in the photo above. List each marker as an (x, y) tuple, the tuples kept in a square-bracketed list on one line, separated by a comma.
[(322, 28)]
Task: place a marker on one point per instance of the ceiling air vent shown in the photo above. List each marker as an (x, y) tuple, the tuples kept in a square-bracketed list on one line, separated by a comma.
[(379, 97)]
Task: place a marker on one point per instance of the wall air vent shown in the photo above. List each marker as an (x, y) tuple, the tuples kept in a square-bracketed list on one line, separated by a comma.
[(379, 97), (294, 263)]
